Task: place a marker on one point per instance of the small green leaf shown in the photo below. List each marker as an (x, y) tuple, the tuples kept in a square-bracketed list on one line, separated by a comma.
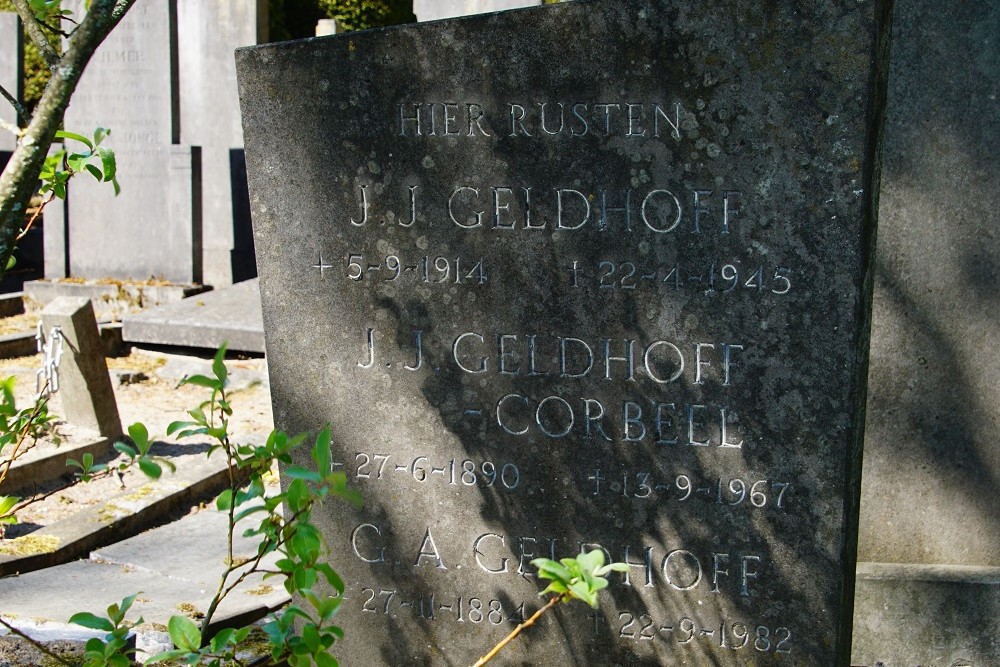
[(140, 436), (202, 381), (62, 134), (150, 468), (219, 365), (184, 633), (7, 504), (321, 451), (178, 425), (94, 171), (167, 655), (92, 621), (225, 500)]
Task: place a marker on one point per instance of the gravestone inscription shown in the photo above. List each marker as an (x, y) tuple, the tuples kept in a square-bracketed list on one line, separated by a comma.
[(590, 276)]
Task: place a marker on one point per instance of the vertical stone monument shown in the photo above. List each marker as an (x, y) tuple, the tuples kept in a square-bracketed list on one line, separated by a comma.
[(207, 35), (11, 77), (929, 587), (589, 276), (131, 87)]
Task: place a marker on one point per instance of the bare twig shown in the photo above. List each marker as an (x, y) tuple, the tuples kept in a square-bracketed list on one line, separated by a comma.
[(22, 113), (35, 215), (516, 631)]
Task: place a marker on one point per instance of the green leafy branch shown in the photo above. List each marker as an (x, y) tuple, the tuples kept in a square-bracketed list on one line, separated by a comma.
[(580, 578), (300, 634), (112, 650), (19, 433)]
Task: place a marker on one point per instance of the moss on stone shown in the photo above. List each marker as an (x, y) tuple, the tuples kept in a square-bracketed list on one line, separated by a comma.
[(29, 545)]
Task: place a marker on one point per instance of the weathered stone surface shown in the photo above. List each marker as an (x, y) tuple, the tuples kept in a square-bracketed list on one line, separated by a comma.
[(131, 87), (927, 615), (932, 467), (229, 315), (11, 64), (88, 400), (207, 35), (639, 324), (431, 10)]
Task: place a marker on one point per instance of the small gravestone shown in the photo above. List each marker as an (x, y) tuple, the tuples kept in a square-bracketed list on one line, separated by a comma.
[(588, 276), (11, 64), (131, 87), (88, 399)]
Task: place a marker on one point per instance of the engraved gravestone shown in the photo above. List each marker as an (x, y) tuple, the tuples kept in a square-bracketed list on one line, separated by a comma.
[(153, 228), (594, 275)]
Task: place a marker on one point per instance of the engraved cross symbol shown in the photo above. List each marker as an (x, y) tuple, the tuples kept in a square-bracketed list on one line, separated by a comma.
[(321, 265)]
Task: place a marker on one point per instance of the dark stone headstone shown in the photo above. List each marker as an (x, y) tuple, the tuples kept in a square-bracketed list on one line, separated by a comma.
[(595, 275)]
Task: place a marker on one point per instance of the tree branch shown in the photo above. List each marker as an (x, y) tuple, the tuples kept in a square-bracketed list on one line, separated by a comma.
[(34, 30), (22, 113), (20, 177)]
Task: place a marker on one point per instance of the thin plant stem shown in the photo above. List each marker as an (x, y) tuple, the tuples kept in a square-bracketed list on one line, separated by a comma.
[(516, 631), (38, 211)]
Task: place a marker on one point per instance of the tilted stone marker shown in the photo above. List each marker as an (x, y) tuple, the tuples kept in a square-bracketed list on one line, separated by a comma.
[(594, 275), (88, 400)]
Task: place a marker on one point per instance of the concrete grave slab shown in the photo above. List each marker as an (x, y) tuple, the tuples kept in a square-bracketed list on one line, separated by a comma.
[(205, 321)]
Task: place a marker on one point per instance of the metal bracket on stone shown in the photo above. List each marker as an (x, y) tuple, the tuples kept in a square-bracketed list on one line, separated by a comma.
[(51, 349)]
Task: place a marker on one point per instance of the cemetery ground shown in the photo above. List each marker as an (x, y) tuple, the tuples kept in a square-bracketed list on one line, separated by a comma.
[(166, 541)]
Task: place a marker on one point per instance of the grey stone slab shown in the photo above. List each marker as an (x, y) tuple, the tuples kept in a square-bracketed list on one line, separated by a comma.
[(130, 86), (931, 464), (208, 320), (207, 35), (640, 324), (88, 399), (123, 515), (932, 616), (11, 75), (432, 10)]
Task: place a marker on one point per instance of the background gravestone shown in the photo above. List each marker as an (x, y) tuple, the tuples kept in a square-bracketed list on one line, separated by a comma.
[(208, 33), (131, 87), (555, 296), (432, 10), (930, 513), (11, 64)]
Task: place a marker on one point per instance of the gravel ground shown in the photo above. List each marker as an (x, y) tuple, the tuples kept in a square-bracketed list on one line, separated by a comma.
[(151, 394)]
